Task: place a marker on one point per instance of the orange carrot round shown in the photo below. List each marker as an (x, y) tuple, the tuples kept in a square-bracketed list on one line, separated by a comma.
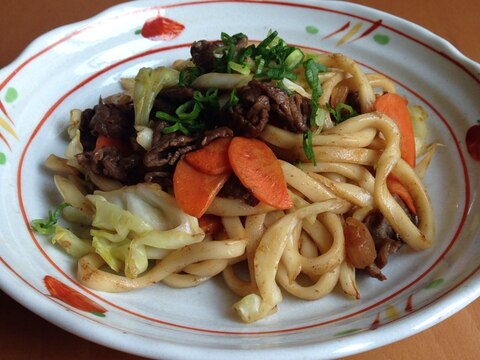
[(395, 107), (194, 190), (257, 168), (212, 159)]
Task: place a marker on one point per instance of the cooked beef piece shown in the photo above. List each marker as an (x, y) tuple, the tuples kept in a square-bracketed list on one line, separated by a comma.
[(87, 139), (261, 102), (386, 247), (111, 121), (110, 162), (387, 241), (242, 43), (166, 150), (354, 101), (220, 132), (203, 54), (379, 227), (291, 112), (163, 178), (177, 94), (161, 104), (375, 272), (250, 115), (162, 142), (233, 188), (158, 127)]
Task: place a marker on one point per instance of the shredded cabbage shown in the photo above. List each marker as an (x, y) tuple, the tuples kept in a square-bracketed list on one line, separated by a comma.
[(75, 146), (70, 242), (148, 83), (144, 136), (419, 118), (130, 221)]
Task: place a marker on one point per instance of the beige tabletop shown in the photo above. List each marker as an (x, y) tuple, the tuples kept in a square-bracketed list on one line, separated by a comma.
[(23, 335)]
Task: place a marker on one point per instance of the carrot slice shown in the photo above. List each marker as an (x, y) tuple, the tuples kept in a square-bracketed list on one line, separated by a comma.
[(396, 187), (210, 224), (212, 159), (395, 107), (257, 168), (106, 141), (195, 191)]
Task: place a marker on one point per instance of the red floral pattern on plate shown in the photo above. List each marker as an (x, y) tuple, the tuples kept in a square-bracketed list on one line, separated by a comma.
[(161, 28), (72, 297), (472, 140)]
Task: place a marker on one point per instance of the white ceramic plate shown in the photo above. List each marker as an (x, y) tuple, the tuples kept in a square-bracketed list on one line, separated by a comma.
[(72, 66)]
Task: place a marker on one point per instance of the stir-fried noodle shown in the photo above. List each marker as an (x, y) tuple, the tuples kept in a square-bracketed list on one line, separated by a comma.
[(139, 230)]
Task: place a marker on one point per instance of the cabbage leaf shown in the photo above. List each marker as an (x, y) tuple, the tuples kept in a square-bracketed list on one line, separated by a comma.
[(70, 242), (133, 222), (148, 83)]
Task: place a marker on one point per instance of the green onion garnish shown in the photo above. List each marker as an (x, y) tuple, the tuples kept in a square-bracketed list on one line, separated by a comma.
[(47, 226), (312, 69), (341, 112)]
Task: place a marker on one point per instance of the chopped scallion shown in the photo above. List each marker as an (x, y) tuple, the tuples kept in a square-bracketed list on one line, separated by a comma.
[(47, 226), (341, 112), (188, 111), (308, 146), (294, 59), (239, 68)]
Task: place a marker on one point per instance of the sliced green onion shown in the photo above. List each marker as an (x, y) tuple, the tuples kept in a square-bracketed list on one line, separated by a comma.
[(240, 68), (281, 85), (188, 111), (312, 70), (47, 226), (308, 146), (245, 53), (188, 75), (210, 97), (176, 127), (295, 58), (320, 119), (266, 42), (232, 100), (280, 73), (341, 112), (165, 116), (260, 62)]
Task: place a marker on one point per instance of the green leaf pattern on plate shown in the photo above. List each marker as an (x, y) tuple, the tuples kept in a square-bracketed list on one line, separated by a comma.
[(11, 95)]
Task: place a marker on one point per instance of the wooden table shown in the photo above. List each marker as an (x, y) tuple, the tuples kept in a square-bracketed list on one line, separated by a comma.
[(24, 335)]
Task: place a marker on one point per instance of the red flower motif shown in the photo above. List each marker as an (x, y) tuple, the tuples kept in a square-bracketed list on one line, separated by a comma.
[(376, 323), (161, 28), (409, 305), (472, 140), (72, 297)]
